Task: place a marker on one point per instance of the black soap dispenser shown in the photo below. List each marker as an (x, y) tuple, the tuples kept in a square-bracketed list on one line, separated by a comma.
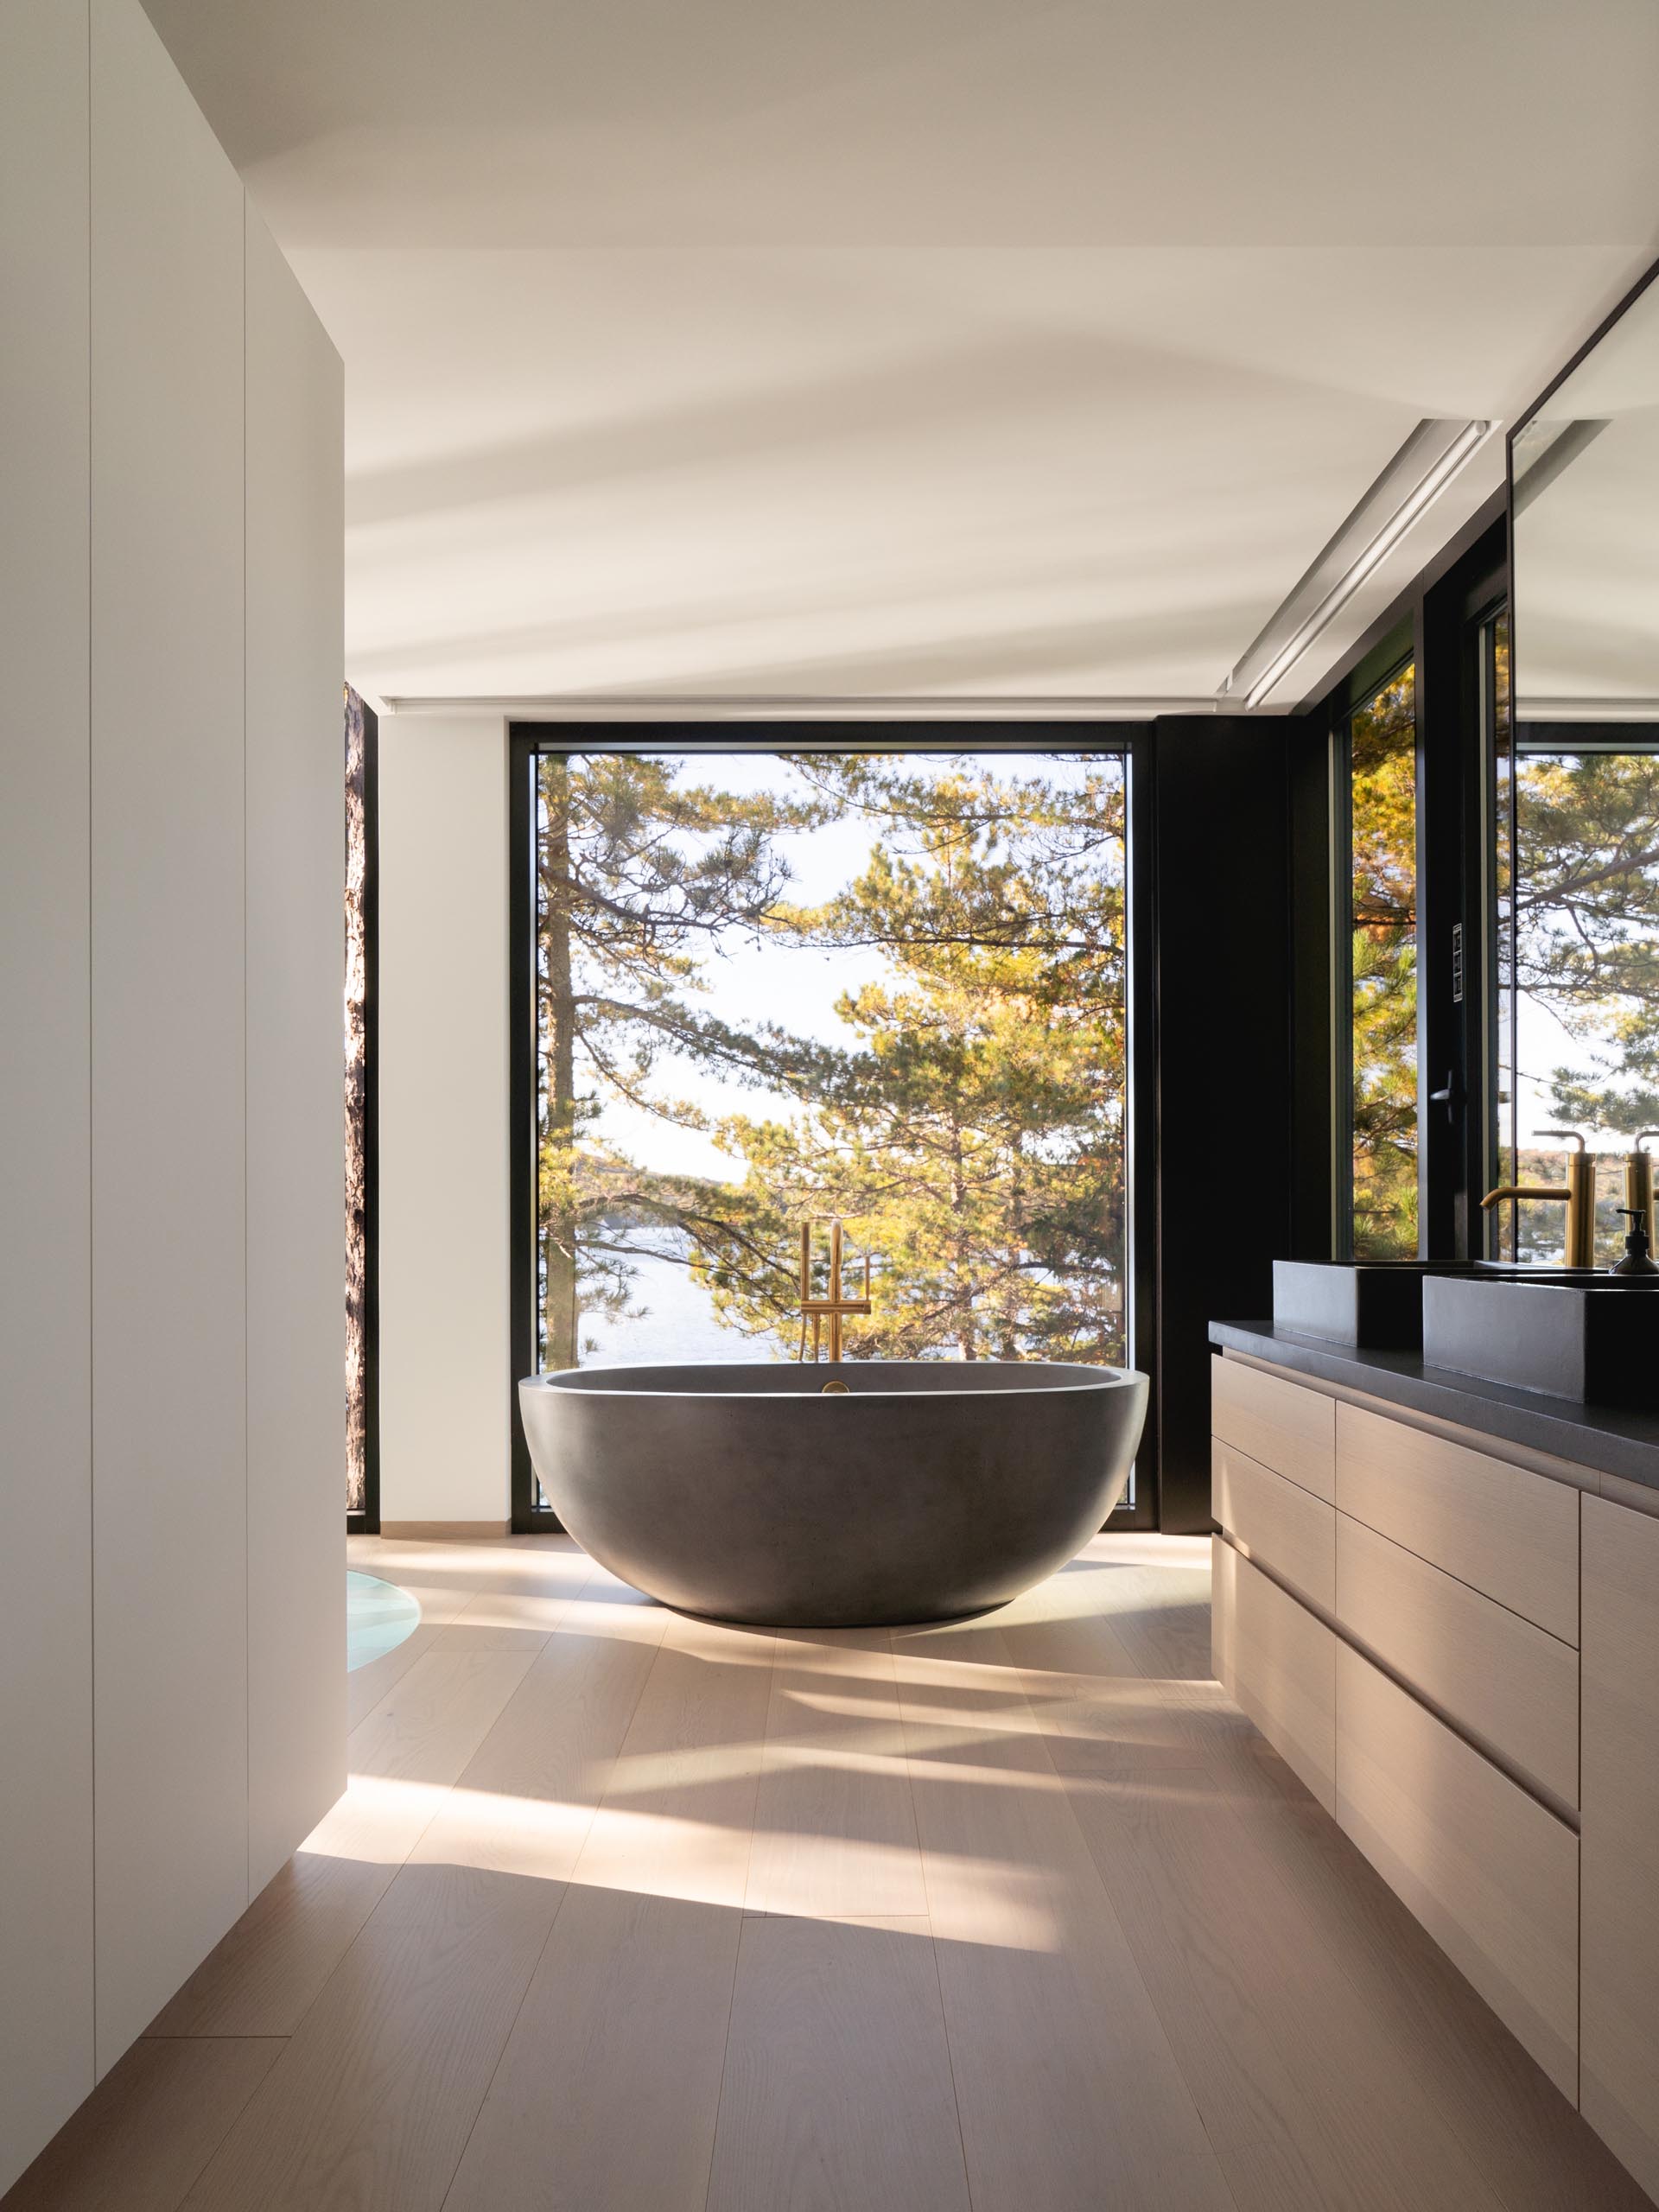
[(1636, 1259)]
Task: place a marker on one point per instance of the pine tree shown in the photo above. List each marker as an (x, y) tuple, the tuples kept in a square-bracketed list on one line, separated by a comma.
[(974, 1138), (641, 876), (1383, 803), (1587, 926)]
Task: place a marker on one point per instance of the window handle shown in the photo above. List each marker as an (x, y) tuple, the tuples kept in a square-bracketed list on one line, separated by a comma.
[(1450, 1096)]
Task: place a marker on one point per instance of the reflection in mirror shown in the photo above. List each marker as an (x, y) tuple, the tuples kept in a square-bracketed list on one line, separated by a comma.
[(1586, 468), (1576, 791), (1579, 977)]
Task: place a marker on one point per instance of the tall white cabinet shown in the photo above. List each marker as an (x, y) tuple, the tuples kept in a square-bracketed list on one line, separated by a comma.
[(46, 1605), (169, 1309), (294, 529), (171, 1584)]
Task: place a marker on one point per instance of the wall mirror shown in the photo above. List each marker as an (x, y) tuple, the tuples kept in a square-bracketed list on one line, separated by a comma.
[(1574, 844)]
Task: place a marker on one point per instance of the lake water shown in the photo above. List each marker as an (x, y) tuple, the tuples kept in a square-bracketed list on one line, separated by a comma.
[(678, 1327)]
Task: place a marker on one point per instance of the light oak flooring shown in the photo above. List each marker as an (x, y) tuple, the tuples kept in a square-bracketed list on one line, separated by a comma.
[(625, 1912)]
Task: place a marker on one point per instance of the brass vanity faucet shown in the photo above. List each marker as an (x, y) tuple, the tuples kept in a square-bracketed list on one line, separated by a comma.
[(1579, 1193), (816, 1310), (1638, 1180)]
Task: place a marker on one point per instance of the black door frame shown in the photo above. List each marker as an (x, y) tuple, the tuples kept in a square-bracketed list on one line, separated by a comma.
[(525, 740)]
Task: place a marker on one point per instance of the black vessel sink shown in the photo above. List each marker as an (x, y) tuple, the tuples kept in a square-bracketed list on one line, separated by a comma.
[(1566, 1333), (1374, 1305)]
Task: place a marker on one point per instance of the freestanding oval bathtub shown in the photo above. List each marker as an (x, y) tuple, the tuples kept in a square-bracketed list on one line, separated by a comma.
[(924, 1491)]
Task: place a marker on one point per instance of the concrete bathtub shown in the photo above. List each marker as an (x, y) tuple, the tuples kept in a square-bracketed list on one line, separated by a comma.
[(919, 1490)]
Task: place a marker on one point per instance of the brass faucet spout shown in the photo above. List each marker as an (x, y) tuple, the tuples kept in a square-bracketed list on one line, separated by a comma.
[(1577, 1194)]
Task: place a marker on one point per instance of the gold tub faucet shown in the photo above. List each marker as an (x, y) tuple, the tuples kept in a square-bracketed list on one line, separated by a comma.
[(1578, 1194), (818, 1309)]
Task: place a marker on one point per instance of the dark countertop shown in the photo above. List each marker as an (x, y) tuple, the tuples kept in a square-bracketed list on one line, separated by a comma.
[(1614, 1443)]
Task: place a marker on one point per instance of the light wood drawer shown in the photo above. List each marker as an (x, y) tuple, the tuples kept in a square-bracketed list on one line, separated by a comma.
[(1278, 1663), (1503, 1530), (1620, 1990), (1278, 1424), (1279, 1524), (1510, 1685), (1492, 1875)]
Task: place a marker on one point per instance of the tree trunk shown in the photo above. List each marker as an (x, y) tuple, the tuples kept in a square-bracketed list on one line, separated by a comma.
[(966, 1340), (558, 1228), (1009, 1318)]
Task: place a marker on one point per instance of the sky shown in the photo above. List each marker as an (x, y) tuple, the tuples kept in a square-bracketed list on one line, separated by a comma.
[(1544, 1043), (796, 985)]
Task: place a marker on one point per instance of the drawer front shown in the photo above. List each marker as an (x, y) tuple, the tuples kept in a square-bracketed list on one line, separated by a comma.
[(1277, 1662), (1277, 1424), (1506, 1683), (1492, 1875), (1620, 1998), (1279, 1524), (1506, 1532)]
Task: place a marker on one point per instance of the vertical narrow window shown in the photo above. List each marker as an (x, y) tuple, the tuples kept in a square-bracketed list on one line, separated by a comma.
[(1504, 1141), (362, 1396), (1382, 932)]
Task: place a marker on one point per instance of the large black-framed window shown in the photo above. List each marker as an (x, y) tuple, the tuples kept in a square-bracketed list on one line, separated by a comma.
[(535, 1082)]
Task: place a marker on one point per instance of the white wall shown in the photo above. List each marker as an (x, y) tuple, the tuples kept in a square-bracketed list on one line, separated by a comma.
[(444, 1363), (171, 1593)]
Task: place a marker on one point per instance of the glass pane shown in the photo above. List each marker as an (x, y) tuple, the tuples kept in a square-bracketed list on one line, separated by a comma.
[(1496, 674), (359, 1243), (1383, 736), (775, 988), (1586, 976)]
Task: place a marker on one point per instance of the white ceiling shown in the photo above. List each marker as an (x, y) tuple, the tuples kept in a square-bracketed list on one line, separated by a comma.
[(1587, 539), (888, 348)]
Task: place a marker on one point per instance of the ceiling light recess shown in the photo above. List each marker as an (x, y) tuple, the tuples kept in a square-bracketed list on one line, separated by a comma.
[(1402, 494), (749, 706)]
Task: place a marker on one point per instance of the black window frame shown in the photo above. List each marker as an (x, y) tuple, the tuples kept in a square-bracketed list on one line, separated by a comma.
[(1435, 626), (527, 738)]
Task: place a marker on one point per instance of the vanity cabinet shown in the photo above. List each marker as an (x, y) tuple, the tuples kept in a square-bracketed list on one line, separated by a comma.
[(1275, 1520), (1619, 1897), (1458, 1656), (1492, 1875), (1278, 1662), (1277, 1423), (1501, 1529), (1510, 1688)]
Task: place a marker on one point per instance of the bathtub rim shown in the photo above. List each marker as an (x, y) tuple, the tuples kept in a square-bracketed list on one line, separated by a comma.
[(573, 1379)]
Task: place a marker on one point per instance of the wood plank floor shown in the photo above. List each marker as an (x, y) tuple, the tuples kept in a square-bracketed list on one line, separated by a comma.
[(625, 1912)]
